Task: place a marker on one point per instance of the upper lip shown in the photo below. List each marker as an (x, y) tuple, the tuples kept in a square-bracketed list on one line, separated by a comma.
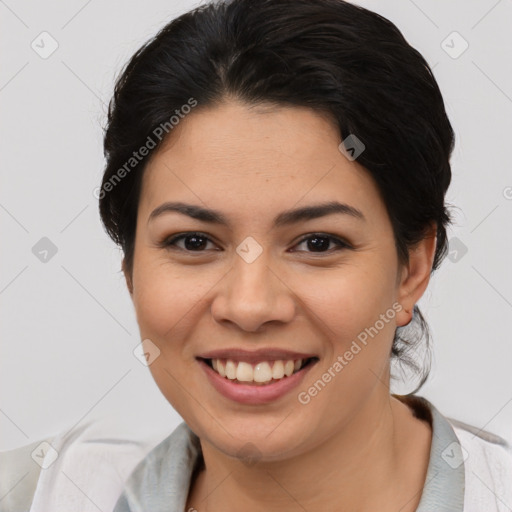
[(254, 356)]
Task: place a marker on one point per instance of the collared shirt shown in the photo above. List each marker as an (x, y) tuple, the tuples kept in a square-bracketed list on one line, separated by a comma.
[(104, 464), (161, 482)]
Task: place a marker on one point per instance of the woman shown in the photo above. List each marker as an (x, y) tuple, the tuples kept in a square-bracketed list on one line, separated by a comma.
[(276, 178), (278, 232)]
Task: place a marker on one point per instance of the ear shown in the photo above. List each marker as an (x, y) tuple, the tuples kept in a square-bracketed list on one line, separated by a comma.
[(127, 277), (415, 276)]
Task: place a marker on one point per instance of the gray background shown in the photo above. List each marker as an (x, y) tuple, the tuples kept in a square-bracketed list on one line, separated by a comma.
[(68, 326)]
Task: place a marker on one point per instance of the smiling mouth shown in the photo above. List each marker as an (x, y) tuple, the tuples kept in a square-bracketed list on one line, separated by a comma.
[(260, 373)]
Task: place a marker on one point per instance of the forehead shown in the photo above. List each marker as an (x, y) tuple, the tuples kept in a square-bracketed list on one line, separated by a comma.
[(252, 157)]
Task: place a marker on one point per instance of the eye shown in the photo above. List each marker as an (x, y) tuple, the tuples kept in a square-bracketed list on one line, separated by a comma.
[(194, 242), (321, 241)]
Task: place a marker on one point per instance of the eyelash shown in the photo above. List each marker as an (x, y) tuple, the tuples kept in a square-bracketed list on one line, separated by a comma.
[(169, 243)]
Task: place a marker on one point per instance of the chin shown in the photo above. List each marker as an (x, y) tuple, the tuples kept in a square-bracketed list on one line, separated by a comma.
[(254, 439)]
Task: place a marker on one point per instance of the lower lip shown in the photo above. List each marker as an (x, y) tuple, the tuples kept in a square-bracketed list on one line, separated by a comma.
[(254, 394)]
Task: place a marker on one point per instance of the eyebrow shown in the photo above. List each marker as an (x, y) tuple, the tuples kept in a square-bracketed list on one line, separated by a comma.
[(285, 218)]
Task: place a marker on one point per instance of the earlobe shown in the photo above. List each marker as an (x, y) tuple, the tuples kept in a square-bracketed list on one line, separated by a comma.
[(404, 317), (416, 275)]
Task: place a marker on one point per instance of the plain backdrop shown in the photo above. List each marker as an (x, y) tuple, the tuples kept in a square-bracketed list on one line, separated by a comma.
[(68, 327)]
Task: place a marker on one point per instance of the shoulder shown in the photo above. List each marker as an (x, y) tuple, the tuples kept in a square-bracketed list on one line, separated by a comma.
[(488, 467), (80, 464), (486, 458), (19, 473)]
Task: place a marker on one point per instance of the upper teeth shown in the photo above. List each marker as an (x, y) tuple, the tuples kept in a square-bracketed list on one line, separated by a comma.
[(263, 371)]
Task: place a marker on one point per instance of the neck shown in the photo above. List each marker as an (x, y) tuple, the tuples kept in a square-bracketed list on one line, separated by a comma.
[(364, 467)]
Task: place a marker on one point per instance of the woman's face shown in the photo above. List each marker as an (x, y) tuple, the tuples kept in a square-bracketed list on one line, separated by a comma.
[(258, 292)]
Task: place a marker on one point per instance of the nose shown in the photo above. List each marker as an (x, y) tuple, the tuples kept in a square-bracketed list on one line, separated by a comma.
[(253, 294)]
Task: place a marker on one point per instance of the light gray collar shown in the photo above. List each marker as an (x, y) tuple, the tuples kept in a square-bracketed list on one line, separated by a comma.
[(444, 485)]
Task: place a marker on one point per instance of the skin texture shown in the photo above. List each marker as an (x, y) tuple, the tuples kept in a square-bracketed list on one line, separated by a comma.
[(353, 446)]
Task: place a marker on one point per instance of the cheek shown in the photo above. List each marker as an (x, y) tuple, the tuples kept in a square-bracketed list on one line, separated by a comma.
[(349, 300), (170, 300), (348, 311), (166, 303), (162, 298)]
